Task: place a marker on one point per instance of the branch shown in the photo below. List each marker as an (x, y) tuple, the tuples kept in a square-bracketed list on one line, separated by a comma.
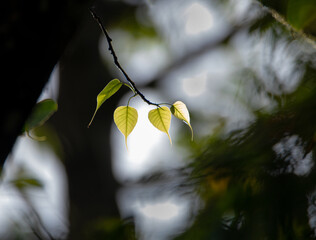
[(116, 62), (299, 33)]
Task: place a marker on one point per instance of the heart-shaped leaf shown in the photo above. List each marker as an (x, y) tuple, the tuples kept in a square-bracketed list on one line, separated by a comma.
[(111, 88), (161, 118), (180, 111), (125, 118)]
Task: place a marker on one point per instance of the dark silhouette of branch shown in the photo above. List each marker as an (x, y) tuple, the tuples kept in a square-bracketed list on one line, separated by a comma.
[(116, 62)]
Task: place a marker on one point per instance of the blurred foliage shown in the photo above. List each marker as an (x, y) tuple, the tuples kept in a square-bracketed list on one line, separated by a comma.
[(259, 182), (250, 181), (111, 228)]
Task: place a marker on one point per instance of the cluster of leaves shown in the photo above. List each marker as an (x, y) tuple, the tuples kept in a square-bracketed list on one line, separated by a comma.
[(125, 117)]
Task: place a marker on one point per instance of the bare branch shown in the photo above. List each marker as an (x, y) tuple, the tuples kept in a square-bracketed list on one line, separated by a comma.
[(116, 62)]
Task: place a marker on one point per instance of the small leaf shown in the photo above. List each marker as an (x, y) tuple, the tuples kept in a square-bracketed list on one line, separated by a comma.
[(125, 118), (160, 118), (23, 183), (109, 90), (180, 111), (42, 111)]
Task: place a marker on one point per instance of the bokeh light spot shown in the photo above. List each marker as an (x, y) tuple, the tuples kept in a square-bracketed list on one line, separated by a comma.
[(198, 19), (195, 86), (160, 211)]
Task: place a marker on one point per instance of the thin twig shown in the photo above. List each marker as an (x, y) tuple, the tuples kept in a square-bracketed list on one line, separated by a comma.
[(116, 62), (38, 227)]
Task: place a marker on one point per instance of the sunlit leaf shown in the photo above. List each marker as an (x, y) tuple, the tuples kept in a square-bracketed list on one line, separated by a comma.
[(179, 110), (109, 90), (125, 118), (161, 118), (42, 111)]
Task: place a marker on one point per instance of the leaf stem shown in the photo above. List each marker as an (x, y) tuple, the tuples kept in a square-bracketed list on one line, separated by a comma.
[(115, 58), (130, 87), (168, 104), (131, 98)]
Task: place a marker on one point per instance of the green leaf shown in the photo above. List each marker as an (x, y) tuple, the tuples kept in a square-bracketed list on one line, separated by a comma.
[(180, 111), (109, 90), (161, 118), (125, 118), (23, 183), (42, 111)]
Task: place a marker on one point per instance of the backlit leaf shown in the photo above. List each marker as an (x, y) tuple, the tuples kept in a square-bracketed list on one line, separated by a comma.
[(125, 118), (179, 110), (161, 118), (111, 88)]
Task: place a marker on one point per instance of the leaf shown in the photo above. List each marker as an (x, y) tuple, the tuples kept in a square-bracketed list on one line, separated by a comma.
[(180, 111), (125, 118), (23, 183), (160, 118), (42, 111), (109, 90), (23, 179)]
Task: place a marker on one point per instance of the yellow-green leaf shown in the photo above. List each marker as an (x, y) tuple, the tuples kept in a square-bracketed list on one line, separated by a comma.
[(111, 88), (161, 118), (125, 118), (179, 110)]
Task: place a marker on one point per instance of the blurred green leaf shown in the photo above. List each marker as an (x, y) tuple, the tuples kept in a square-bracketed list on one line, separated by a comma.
[(42, 111), (25, 182)]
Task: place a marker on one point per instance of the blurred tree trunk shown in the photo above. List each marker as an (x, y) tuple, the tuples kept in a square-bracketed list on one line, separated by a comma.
[(33, 35), (92, 187)]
